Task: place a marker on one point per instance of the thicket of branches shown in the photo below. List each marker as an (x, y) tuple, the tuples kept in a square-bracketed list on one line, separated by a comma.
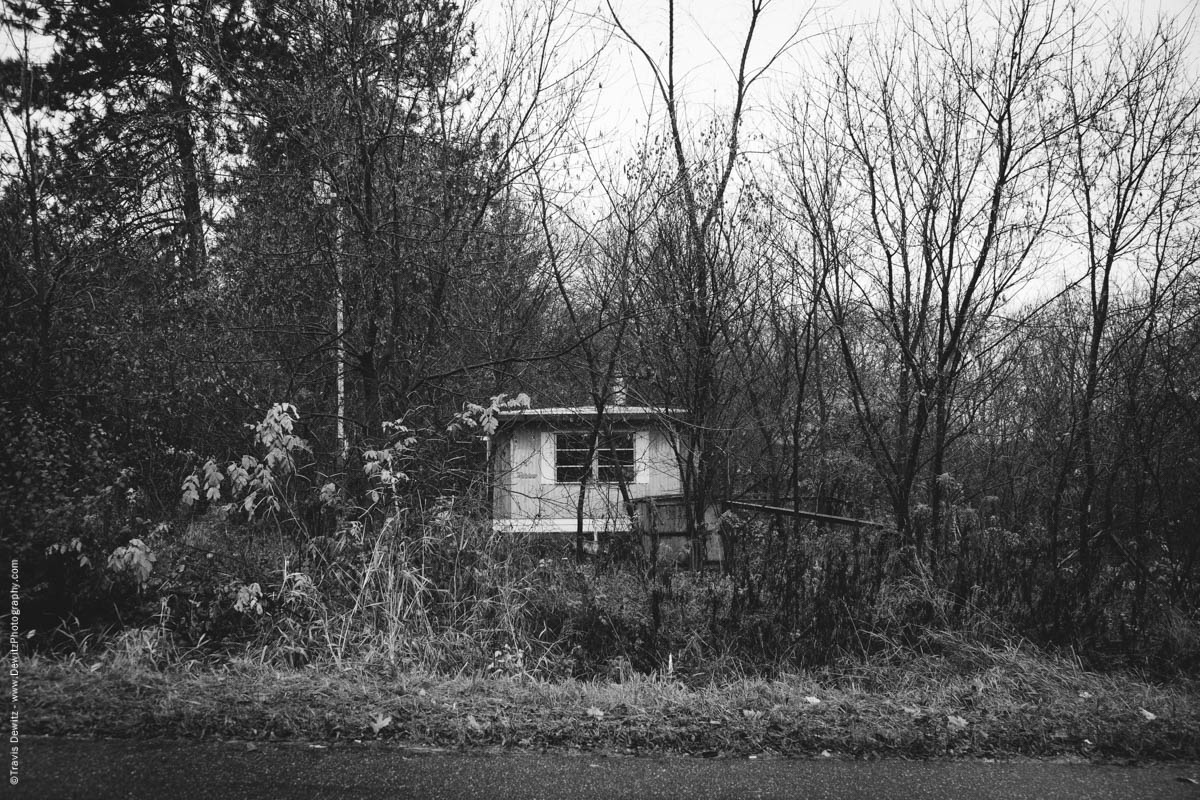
[(957, 295)]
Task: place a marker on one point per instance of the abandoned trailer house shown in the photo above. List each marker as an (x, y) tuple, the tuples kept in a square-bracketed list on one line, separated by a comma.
[(539, 459)]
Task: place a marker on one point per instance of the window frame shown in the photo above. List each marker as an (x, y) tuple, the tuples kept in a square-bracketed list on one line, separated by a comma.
[(602, 469)]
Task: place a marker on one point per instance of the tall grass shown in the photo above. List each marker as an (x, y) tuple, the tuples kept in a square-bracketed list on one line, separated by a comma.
[(436, 589)]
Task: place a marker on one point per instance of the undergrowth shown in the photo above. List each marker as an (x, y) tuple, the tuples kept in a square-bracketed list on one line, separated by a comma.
[(438, 590), (1011, 701), (272, 570)]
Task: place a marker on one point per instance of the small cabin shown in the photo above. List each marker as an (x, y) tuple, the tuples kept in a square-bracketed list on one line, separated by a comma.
[(540, 458)]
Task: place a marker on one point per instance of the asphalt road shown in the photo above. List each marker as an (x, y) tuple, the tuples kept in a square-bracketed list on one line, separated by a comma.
[(184, 770)]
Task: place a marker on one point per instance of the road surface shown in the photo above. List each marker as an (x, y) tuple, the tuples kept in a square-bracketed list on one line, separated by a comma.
[(49, 769)]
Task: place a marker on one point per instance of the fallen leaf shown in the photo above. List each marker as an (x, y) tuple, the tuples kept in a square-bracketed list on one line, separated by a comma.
[(958, 723), (826, 754), (595, 713), (379, 722), (1150, 716), (812, 701), (750, 713), (251, 747)]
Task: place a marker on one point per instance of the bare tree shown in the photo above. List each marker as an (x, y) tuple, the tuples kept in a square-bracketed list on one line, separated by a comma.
[(1134, 148), (691, 271), (928, 190)]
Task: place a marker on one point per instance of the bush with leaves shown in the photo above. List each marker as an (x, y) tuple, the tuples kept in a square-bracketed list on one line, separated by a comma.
[(259, 487), (66, 504)]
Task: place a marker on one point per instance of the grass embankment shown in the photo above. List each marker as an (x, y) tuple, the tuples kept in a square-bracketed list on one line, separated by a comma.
[(982, 702)]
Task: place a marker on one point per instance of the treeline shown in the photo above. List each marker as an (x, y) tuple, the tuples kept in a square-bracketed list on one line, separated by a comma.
[(955, 292)]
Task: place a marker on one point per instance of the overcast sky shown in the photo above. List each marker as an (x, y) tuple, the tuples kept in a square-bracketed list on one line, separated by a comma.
[(709, 36), (710, 33)]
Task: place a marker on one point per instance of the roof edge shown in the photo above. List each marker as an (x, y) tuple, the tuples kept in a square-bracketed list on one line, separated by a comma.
[(589, 412)]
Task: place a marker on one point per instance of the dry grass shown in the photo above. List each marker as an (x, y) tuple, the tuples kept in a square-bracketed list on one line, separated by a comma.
[(438, 639), (982, 701)]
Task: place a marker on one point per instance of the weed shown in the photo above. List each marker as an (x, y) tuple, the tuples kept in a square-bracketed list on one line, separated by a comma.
[(1017, 702)]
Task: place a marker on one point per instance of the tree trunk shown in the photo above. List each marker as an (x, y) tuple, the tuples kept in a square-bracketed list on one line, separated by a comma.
[(194, 253)]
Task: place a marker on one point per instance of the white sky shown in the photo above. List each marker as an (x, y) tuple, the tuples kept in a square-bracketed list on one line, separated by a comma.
[(709, 36), (710, 33)]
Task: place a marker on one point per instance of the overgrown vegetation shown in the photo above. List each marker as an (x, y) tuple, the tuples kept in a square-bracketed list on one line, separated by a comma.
[(993, 702), (267, 560), (228, 620)]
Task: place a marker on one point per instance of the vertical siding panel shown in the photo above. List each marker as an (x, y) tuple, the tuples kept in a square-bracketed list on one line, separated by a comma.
[(558, 501), (526, 472), (502, 477), (664, 472), (641, 454)]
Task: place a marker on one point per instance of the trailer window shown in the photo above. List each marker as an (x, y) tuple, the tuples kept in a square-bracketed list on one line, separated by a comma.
[(612, 461)]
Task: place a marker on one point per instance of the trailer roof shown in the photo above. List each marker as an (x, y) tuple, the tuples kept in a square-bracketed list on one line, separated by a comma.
[(559, 413)]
